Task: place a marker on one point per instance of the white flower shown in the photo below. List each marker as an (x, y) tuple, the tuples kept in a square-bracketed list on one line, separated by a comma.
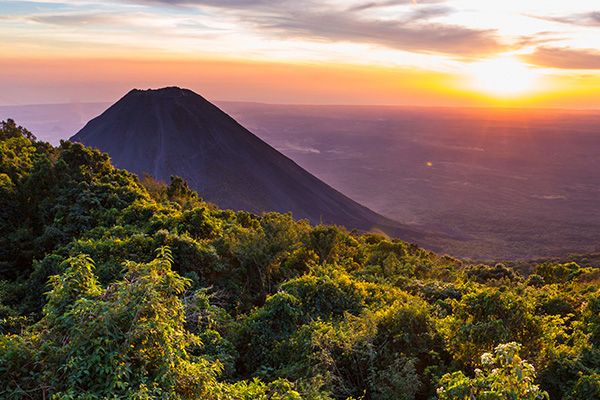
[(487, 359)]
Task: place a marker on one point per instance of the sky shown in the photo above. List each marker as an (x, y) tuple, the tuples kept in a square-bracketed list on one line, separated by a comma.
[(509, 53)]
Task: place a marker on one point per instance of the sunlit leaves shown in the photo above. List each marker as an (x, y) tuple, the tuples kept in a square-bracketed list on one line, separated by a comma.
[(503, 375)]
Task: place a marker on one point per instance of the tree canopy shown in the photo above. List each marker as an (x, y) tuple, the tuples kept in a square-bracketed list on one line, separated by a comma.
[(114, 286)]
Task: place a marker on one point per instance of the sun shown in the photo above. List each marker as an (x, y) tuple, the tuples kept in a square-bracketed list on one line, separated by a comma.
[(502, 77)]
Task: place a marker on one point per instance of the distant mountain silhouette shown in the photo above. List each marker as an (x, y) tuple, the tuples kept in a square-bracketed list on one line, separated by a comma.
[(174, 131)]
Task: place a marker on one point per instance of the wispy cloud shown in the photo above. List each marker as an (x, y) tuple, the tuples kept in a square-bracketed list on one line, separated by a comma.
[(78, 18), (407, 29), (565, 58), (409, 26), (233, 4), (259, 3), (538, 39), (591, 19), (390, 3), (399, 34)]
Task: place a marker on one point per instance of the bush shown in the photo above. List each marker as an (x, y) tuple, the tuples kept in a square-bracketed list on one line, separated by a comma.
[(504, 376), (558, 273)]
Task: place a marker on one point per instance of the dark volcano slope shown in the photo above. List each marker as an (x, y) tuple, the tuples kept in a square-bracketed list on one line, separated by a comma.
[(173, 131)]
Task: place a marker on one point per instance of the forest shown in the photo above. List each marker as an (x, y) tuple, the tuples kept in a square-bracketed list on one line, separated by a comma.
[(119, 287)]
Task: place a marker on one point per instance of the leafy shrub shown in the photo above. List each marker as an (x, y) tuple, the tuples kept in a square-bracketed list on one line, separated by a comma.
[(504, 376), (558, 273), (485, 273)]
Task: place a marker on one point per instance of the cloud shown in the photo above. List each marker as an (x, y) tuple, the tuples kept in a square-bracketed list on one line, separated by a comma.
[(565, 58), (423, 13), (408, 29), (390, 3), (538, 39), (235, 4), (83, 18), (399, 34), (260, 3), (591, 19)]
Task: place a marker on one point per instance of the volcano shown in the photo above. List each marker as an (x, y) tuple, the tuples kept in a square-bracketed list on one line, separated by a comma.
[(174, 131)]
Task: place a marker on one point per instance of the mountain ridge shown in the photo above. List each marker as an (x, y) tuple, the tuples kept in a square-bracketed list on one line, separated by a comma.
[(186, 135)]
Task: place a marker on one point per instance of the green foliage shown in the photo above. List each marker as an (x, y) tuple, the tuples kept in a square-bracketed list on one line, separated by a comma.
[(179, 192), (397, 381), (324, 239), (504, 376), (235, 305), (10, 130), (256, 390), (378, 354), (123, 341), (487, 317), (263, 338), (558, 273), (56, 195), (535, 280), (485, 273), (587, 387), (327, 295)]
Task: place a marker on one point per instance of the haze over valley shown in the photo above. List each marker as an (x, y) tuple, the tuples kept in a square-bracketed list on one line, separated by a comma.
[(517, 183)]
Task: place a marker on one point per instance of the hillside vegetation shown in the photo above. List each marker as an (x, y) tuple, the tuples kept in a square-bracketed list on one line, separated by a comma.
[(115, 287)]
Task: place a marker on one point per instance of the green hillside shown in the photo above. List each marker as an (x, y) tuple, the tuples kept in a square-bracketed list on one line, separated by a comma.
[(112, 287)]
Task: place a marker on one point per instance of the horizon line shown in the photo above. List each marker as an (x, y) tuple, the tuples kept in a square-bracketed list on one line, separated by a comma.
[(347, 105)]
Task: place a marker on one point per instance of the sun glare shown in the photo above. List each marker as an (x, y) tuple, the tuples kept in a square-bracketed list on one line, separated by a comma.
[(503, 77)]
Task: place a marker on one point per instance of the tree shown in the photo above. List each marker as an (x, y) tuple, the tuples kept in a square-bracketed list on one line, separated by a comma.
[(487, 317), (505, 376), (9, 129), (125, 341), (179, 191)]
